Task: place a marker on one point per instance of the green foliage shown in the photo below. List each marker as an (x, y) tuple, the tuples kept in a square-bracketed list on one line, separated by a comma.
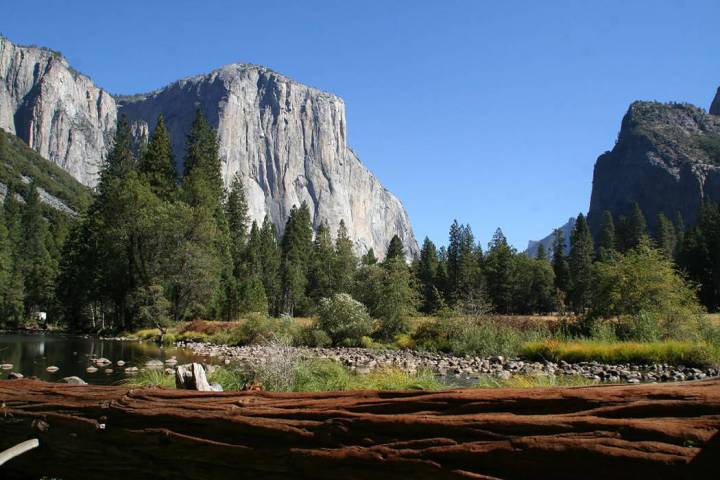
[(395, 249), (397, 299), (156, 164), (665, 236), (560, 262), (606, 240), (580, 266), (699, 254), (534, 381), (500, 272), (344, 319), (644, 290), (669, 351), (296, 251)]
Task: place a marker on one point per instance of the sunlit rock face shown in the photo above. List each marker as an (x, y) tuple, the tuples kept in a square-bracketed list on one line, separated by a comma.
[(58, 112), (287, 141)]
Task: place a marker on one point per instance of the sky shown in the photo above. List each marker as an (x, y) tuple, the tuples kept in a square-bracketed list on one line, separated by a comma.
[(490, 112)]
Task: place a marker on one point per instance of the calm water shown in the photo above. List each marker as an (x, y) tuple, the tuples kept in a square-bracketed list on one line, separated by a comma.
[(31, 354)]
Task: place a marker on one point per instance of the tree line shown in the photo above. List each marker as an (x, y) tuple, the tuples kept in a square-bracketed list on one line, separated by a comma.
[(156, 246)]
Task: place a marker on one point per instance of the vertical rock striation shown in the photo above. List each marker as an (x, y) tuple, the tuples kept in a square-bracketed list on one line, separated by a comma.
[(287, 141), (58, 112)]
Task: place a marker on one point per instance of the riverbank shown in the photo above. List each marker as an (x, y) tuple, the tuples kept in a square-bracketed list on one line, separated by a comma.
[(466, 370)]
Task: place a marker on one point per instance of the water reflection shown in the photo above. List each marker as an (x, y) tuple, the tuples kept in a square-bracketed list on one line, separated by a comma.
[(31, 354)]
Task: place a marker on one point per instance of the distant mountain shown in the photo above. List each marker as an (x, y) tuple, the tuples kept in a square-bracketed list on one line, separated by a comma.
[(548, 241), (667, 159), (287, 141), (19, 165)]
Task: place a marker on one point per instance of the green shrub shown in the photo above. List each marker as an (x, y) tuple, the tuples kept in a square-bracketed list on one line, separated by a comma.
[(344, 319), (534, 381), (193, 336), (312, 336)]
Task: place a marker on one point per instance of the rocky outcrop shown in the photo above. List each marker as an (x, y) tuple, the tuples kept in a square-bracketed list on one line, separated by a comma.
[(287, 141), (548, 241), (667, 159), (715, 105), (57, 111)]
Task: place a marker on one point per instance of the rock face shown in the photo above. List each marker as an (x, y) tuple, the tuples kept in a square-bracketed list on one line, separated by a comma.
[(288, 143), (667, 159), (715, 105), (549, 240), (60, 113)]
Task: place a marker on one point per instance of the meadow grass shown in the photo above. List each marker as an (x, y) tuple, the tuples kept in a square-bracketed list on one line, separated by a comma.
[(150, 377), (677, 352), (534, 381)]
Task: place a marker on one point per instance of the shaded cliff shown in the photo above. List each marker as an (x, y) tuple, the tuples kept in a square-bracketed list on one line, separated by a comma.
[(667, 159)]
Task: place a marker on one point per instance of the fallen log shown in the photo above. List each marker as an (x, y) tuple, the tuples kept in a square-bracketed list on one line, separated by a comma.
[(618, 432)]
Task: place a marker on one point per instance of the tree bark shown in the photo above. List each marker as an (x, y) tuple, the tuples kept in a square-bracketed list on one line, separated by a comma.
[(618, 432)]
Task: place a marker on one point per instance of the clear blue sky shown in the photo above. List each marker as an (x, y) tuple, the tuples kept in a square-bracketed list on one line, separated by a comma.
[(489, 112)]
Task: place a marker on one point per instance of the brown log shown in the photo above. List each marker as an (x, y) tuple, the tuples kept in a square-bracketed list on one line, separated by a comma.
[(618, 432)]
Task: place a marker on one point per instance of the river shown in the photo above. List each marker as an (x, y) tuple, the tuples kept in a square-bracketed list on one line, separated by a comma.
[(31, 353)]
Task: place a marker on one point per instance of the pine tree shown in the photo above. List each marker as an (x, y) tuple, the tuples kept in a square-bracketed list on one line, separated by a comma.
[(395, 249), (120, 160), (5, 260), (270, 260), (665, 237), (427, 271), (463, 264), (541, 254), (500, 272), (679, 225), (345, 261), (369, 258), (580, 265), (699, 254), (296, 250), (397, 298), (156, 163), (606, 239), (637, 228), (321, 272), (202, 176), (560, 262), (236, 212), (37, 266)]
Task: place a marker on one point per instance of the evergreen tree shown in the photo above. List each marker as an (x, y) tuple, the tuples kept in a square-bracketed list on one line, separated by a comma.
[(202, 175), (427, 271), (541, 254), (637, 228), (395, 249), (236, 212), (296, 250), (345, 261), (463, 273), (369, 258), (580, 265), (321, 271), (5, 261), (606, 239), (679, 225), (120, 160), (270, 261), (533, 286), (397, 299), (500, 272), (560, 262), (700, 254), (37, 266), (156, 163), (665, 237)]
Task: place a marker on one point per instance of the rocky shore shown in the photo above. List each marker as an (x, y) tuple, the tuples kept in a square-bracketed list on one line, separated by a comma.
[(463, 369)]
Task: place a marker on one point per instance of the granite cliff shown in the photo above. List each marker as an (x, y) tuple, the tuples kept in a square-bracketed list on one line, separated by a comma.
[(667, 159), (287, 141)]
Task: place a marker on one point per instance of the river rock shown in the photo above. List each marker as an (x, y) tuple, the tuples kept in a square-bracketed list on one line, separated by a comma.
[(6, 366), (108, 371), (91, 369), (73, 380), (101, 362), (52, 369), (15, 376), (154, 364), (120, 363), (131, 370)]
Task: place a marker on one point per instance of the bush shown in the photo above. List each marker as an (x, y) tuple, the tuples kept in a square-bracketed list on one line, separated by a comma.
[(312, 336), (344, 319), (482, 337), (192, 336)]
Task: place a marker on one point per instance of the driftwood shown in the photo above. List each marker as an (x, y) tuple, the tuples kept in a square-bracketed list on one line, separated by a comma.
[(18, 450), (618, 432)]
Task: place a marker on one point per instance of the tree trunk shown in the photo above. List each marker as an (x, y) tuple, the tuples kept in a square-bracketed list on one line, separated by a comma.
[(618, 432)]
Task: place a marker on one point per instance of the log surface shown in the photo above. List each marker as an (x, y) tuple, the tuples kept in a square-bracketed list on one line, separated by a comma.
[(618, 432)]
